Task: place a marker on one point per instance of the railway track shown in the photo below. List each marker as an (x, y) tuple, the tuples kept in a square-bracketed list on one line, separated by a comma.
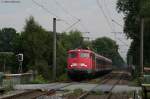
[(51, 94), (110, 91), (37, 93), (106, 79), (26, 95)]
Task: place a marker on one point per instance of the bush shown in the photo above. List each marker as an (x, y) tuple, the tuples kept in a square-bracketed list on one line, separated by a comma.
[(77, 92), (63, 77), (39, 80)]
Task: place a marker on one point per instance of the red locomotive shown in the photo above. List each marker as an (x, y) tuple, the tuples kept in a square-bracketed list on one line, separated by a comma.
[(86, 62)]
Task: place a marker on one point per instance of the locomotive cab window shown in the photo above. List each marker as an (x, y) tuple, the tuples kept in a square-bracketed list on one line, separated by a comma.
[(72, 55), (84, 55)]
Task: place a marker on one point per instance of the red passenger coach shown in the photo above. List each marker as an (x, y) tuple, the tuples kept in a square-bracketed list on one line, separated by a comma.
[(87, 62)]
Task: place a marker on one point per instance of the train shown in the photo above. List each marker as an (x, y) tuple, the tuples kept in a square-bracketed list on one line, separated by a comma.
[(85, 62)]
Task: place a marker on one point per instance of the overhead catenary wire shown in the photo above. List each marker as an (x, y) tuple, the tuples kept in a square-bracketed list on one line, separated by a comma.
[(71, 26), (101, 8), (83, 26), (78, 20), (112, 20), (66, 11), (60, 19), (74, 17), (117, 23), (44, 8), (105, 16), (108, 12), (48, 11), (106, 8)]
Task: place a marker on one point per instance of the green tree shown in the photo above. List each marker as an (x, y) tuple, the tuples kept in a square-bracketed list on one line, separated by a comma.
[(35, 47), (17, 43), (7, 50), (134, 10), (8, 62), (108, 48), (73, 39), (7, 35)]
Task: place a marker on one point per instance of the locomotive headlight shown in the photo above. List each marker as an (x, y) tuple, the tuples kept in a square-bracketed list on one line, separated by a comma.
[(73, 64), (83, 65)]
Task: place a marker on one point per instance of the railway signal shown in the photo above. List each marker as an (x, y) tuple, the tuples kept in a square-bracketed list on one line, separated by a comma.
[(20, 57), (20, 60)]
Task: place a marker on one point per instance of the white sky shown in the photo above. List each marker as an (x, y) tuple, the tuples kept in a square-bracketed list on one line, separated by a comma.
[(91, 16)]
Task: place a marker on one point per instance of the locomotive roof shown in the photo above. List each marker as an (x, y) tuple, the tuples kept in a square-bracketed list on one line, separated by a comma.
[(81, 50), (102, 57), (89, 51)]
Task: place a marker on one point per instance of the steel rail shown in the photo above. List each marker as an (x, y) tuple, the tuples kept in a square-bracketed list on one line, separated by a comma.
[(110, 92), (33, 94), (26, 95), (106, 79)]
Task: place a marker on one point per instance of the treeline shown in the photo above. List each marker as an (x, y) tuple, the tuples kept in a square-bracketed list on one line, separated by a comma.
[(134, 11), (36, 44)]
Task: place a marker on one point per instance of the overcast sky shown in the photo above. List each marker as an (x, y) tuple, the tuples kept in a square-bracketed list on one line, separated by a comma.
[(93, 18)]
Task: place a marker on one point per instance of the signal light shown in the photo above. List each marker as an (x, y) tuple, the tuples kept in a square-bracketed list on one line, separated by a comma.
[(20, 57)]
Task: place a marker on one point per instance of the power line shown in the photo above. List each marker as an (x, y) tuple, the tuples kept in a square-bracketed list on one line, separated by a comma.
[(110, 15), (83, 26), (105, 16), (123, 42), (72, 25), (74, 17), (117, 23), (106, 7), (48, 11), (66, 11), (114, 22), (45, 9), (108, 11), (100, 6)]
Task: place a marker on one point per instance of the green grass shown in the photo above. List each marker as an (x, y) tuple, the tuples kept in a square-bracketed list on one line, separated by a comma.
[(135, 82)]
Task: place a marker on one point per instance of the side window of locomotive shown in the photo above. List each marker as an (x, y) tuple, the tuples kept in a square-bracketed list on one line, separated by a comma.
[(98, 61), (72, 55), (104, 63), (84, 55)]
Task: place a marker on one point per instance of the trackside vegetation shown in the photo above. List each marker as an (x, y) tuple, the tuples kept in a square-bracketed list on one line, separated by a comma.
[(134, 11), (36, 43)]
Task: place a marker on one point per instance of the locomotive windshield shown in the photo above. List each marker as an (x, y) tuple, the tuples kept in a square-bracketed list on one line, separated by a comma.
[(72, 55), (84, 55)]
